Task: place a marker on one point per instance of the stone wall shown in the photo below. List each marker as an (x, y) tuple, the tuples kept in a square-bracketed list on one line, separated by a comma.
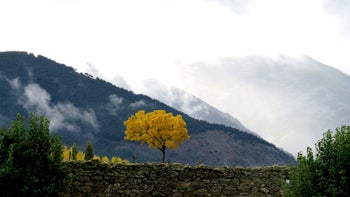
[(93, 178)]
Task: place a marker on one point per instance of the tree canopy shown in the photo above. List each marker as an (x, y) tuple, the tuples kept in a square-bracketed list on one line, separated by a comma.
[(31, 159), (158, 129), (326, 173)]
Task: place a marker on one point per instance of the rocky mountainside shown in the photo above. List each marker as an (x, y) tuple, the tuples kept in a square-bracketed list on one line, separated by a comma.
[(81, 109)]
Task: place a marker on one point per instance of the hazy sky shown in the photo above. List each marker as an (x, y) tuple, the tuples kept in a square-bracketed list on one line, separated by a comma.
[(129, 41)]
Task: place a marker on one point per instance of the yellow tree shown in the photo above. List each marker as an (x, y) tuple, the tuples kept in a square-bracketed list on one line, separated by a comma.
[(66, 153), (158, 129), (105, 159), (116, 160), (80, 156)]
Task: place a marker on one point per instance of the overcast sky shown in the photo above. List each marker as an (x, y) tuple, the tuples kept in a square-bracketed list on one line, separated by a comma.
[(129, 41)]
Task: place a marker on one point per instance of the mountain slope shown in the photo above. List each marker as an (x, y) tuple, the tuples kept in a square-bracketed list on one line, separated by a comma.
[(191, 105), (83, 109), (291, 101)]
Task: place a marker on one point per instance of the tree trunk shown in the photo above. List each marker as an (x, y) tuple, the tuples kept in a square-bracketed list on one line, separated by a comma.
[(163, 151)]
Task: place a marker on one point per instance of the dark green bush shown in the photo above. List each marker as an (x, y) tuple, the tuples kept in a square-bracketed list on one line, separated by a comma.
[(31, 159), (89, 151), (326, 173)]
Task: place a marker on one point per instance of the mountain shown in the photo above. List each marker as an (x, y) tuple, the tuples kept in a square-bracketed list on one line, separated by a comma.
[(191, 105), (82, 108), (290, 100)]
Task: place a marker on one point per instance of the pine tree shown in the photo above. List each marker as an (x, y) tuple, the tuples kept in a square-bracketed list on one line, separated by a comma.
[(74, 151), (89, 152)]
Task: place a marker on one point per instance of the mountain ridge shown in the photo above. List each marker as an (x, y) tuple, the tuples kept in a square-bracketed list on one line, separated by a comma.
[(290, 100), (191, 105), (82, 109)]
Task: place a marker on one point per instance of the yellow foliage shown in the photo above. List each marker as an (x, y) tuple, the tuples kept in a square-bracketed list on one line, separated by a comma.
[(66, 153), (67, 156), (105, 159), (158, 129), (80, 156), (96, 157), (116, 160)]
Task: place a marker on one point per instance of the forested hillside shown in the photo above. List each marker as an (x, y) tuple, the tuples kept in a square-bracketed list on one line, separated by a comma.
[(82, 108)]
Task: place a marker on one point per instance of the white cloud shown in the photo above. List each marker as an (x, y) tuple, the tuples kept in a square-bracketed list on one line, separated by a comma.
[(115, 104), (130, 41), (237, 6), (61, 115), (14, 83), (138, 104), (151, 36), (174, 97), (339, 9), (289, 101)]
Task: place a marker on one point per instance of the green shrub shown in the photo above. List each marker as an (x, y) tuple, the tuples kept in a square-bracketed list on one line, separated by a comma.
[(89, 151), (31, 159), (326, 173)]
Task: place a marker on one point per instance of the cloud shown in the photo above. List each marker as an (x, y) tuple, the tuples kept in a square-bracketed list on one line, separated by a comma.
[(237, 6), (117, 79), (14, 83), (156, 89), (339, 9), (115, 104), (174, 97), (289, 101), (121, 82), (161, 38), (138, 104), (92, 69), (189, 104), (61, 115)]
